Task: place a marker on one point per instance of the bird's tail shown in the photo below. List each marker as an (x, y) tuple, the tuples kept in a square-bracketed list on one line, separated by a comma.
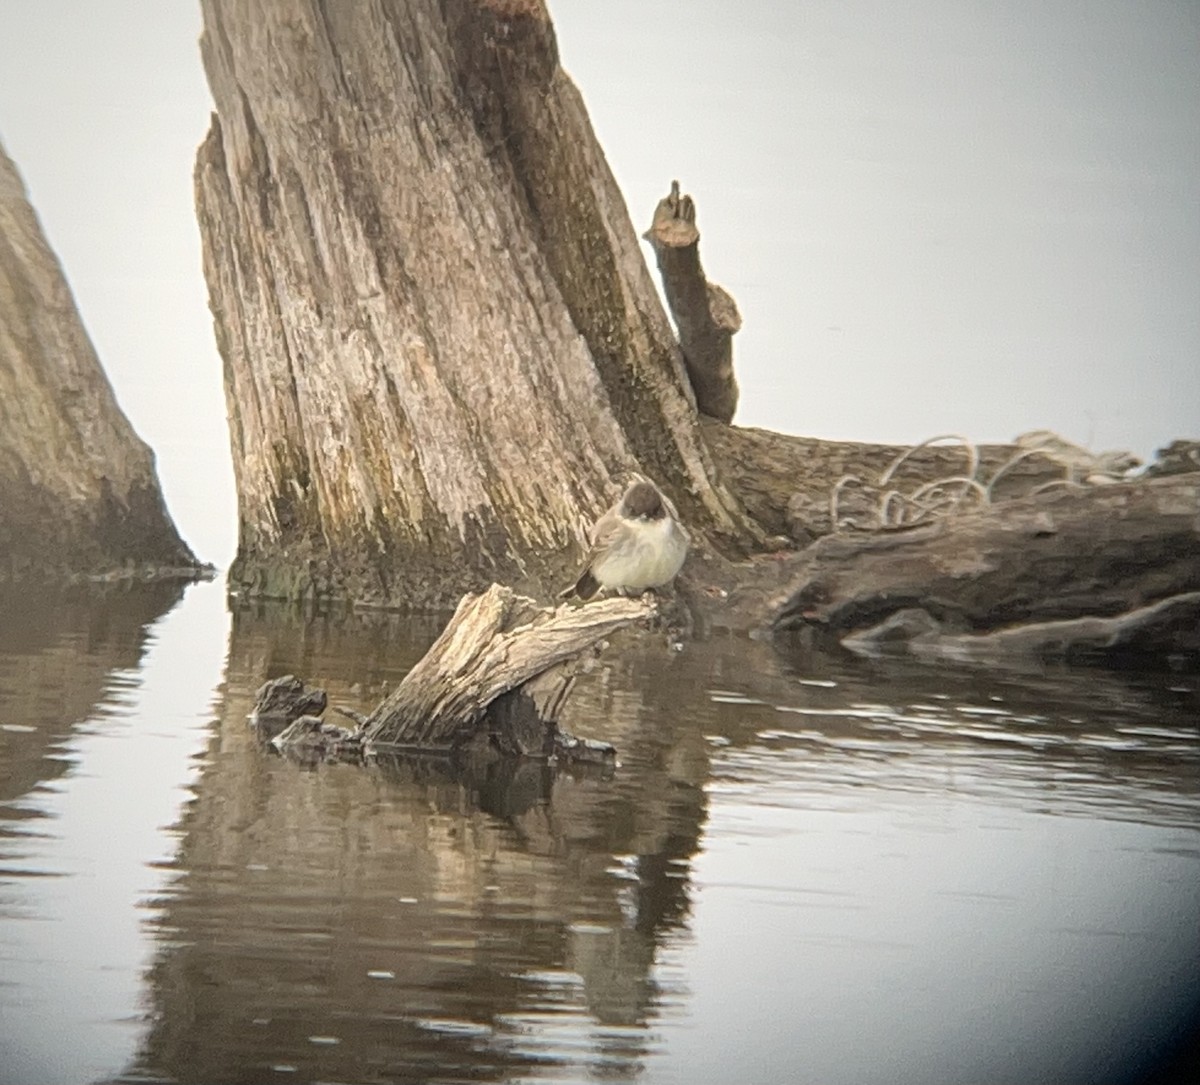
[(585, 587)]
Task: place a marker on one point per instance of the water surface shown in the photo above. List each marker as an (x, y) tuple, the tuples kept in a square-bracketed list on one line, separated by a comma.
[(805, 868)]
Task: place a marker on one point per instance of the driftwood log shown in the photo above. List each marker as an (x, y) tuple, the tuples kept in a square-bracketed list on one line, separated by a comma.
[(1104, 572), (785, 481), (492, 685)]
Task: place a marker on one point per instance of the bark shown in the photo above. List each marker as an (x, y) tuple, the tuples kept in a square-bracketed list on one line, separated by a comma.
[(785, 482), (284, 700), (78, 491), (1061, 555), (1180, 457), (706, 316), (443, 350), (498, 647)]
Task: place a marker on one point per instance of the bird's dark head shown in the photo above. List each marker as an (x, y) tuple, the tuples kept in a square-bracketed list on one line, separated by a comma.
[(643, 500)]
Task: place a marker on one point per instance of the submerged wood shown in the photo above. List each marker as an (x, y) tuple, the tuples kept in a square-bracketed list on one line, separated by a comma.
[(1167, 631), (284, 700), (492, 685)]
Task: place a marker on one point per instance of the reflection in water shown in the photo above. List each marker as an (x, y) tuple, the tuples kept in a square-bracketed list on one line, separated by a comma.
[(59, 655), (367, 924), (804, 868), (393, 924), (1058, 741), (90, 757)]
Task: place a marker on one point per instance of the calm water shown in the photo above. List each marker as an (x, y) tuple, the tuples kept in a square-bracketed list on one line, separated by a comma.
[(804, 869)]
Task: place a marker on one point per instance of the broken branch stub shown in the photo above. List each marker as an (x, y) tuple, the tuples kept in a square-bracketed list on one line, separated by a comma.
[(705, 315)]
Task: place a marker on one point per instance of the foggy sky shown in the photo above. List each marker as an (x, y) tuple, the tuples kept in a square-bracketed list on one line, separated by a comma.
[(936, 216)]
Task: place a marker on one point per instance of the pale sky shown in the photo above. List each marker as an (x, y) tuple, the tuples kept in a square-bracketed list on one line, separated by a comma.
[(935, 216)]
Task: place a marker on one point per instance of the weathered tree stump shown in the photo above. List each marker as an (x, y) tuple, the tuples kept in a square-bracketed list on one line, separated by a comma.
[(443, 348), (493, 684), (79, 495)]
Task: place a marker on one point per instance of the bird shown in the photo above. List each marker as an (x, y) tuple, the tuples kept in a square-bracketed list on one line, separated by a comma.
[(637, 545)]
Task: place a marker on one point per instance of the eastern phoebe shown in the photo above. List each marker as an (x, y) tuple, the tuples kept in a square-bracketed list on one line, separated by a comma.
[(637, 545)]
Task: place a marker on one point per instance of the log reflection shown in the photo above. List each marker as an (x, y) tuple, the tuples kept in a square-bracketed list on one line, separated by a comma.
[(59, 651), (417, 922)]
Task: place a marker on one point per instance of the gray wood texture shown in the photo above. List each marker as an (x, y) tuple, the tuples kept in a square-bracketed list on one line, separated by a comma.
[(79, 495)]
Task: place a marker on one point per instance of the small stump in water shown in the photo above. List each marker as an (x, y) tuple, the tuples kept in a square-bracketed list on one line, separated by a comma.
[(492, 685)]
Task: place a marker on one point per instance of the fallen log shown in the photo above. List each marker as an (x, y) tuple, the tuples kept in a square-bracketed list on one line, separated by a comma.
[(785, 481), (1061, 555), (493, 684)]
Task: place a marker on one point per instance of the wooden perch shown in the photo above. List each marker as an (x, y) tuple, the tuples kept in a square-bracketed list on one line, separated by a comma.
[(496, 679), (706, 316), (497, 644)]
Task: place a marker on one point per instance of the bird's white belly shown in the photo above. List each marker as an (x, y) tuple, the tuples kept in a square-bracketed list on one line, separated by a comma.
[(648, 557)]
